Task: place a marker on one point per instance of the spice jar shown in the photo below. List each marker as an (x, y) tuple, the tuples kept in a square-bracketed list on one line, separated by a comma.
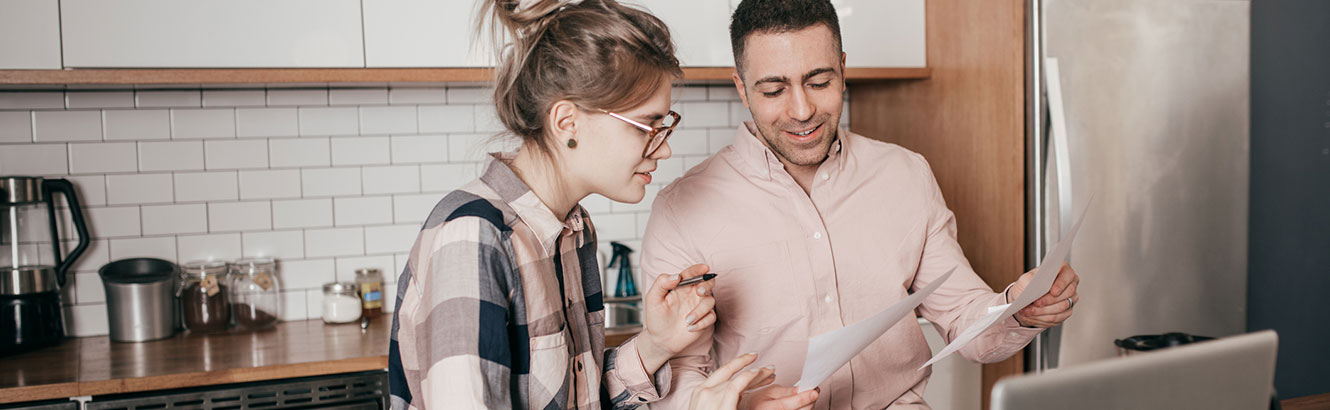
[(341, 304), (203, 296), (256, 297), (370, 281)]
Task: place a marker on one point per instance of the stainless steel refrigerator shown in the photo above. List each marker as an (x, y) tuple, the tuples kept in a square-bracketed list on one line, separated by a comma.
[(1153, 122)]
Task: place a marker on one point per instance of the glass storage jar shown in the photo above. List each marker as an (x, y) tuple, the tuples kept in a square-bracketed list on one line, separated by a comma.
[(256, 296), (370, 282), (340, 303), (204, 301)]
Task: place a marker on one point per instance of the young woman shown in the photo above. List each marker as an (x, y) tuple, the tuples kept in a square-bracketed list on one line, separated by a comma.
[(500, 304)]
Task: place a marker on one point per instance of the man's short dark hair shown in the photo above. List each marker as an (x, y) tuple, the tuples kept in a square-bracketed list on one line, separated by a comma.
[(779, 16)]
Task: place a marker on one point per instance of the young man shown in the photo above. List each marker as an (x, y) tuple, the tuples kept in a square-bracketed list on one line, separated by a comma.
[(812, 228)]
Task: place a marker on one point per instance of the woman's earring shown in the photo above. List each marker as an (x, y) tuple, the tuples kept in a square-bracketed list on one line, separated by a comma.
[(572, 143)]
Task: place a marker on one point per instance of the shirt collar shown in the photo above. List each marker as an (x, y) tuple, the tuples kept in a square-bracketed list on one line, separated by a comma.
[(529, 208), (752, 150)]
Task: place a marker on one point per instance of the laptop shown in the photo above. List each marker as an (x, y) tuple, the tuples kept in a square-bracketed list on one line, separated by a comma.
[(1231, 373)]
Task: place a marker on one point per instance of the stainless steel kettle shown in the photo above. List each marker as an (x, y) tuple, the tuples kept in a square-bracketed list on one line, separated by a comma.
[(30, 279)]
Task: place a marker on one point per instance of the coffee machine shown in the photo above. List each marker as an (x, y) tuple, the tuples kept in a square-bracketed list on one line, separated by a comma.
[(30, 279)]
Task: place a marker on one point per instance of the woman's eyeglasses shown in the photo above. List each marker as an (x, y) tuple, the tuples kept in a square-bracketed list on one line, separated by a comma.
[(656, 136)]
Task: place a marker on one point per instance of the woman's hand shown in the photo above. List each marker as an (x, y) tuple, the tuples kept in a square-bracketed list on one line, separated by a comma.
[(674, 317), (721, 390)]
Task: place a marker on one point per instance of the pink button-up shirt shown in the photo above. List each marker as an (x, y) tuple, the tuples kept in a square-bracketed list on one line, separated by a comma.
[(793, 265)]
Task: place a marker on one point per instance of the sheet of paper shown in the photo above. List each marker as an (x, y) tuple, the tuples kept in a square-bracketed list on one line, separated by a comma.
[(830, 351), (1038, 286)]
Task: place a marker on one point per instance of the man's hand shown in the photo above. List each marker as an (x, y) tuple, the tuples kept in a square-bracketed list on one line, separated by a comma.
[(1052, 308), (721, 390), (674, 317)]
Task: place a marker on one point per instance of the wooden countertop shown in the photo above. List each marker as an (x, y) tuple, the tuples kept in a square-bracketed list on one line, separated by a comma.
[(95, 365)]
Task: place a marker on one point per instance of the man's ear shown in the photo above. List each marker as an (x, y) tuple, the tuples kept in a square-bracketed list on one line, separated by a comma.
[(843, 87), (739, 86)]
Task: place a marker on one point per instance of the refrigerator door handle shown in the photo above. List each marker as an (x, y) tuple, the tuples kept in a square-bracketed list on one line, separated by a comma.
[(1058, 134)]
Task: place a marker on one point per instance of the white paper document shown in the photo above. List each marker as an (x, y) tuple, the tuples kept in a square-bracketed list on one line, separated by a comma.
[(1043, 279), (830, 351)]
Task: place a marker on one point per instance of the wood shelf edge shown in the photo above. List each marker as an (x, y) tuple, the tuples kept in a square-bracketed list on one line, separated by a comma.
[(297, 76)]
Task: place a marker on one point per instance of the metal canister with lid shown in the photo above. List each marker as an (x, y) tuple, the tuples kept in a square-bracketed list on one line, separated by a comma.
[(204, 300), (370, 282)]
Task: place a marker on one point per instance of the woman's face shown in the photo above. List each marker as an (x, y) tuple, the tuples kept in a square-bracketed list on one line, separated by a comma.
[(608, 157)]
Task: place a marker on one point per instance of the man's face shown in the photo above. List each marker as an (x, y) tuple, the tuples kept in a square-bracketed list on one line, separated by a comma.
[(793, 84)]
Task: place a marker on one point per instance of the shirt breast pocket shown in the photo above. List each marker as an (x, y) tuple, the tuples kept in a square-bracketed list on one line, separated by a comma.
[(757, 293), (549, 367)]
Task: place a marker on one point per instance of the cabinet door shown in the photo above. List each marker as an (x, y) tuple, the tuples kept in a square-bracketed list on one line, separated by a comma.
[(424, 33), (882, 33), (226, 34), (29, 34), (700, 29)]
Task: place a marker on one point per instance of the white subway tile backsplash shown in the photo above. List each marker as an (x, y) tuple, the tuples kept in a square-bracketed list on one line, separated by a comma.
[(91, 189), (739, 113), (642, 219), (705, 114), (362, 211), (399, 264), (334, 242), (390, 296), (615, 227), (264, 184), (217, 247), (236, 154), (688, 93), (27, 100), (114, 222), (346, 266), (357, 96), (139, 189), (160, 247), (267, 122), (89, 288), (472, 147), (400, 96), (239, 216), (233, 98), (99, 99), (293, 305), (688, 142), (206, 186), (446, 177), (86, 320), (299, 152), (667, 171), (170, 155), (722, 94), (414, 208), (388, 120), (276, 244), (487, 120), (330, 182), (414, 149), (168, 98), (34, 159), (595, 204), (175, 219), (314, 303), (390, 239), (293, 97), (360, 151), (129, 125), (59, 126), (302, 213), (641, 206), (470, 95), (329, 121), (306, 274), (15, 126), (447, 118), (397, 179), (103, 157), (719, 138), (203, 123)]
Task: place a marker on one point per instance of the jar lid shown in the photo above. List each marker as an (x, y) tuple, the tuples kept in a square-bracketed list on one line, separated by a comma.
[(204, 268), (253, 265), (368, 271), (339, 287)]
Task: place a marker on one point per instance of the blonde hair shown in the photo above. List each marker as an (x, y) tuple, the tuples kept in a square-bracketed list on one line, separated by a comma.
[(594, 53)]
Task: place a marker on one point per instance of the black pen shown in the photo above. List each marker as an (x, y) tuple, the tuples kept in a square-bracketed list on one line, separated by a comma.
[(696, 279)]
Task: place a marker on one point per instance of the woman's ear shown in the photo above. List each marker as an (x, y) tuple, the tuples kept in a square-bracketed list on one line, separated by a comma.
[(563, 119)]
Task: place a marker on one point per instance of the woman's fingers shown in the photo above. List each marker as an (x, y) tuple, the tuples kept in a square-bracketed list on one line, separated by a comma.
[(737, 387), (702, 309), (661, 287), (766, 375), (723, 373), (705, 322)]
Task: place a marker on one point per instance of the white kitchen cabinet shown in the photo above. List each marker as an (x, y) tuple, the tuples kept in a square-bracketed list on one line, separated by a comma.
[(882, 33), (700, 29), (223, 34), (29, 34), (424, 33)]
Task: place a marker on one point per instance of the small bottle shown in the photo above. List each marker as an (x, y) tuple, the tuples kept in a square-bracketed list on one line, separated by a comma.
[(341, 304), (370, 282)]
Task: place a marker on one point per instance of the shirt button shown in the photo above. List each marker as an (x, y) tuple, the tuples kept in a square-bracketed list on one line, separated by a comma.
[(828, 299), (826, 176), (817, 235)]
